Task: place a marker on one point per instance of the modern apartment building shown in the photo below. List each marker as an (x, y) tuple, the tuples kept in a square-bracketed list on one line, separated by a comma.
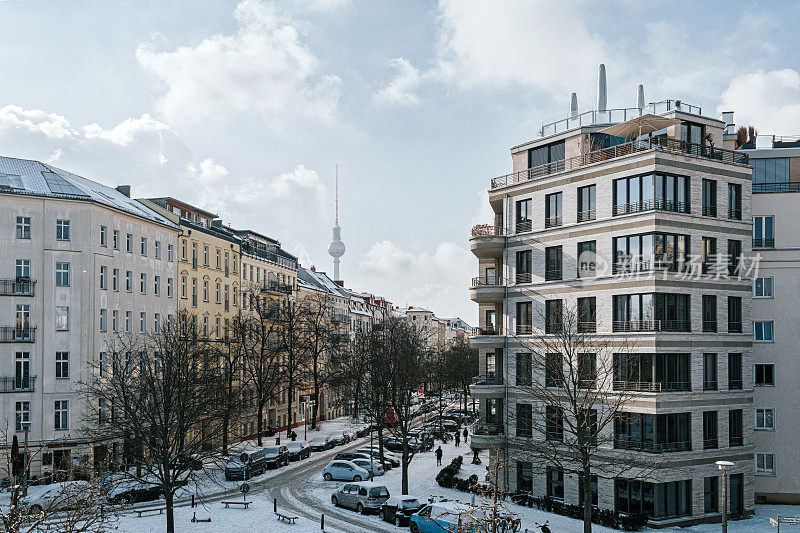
[(776, 216), (643, 240), (82, 264)]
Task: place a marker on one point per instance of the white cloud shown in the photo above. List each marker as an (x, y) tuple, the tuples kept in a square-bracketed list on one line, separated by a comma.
[(263, 68), (126, 131), (768, 100), (324, 6), (401, 89), (50, 125), (437, 280), (302, 179)]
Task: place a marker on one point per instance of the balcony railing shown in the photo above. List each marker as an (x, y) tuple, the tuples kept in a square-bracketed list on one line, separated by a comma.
[(736, 440), (524, 329), (482, 427), (663, 144), (523, 277), (490, 330), (552, 222), (763, 243), (488, 281), (734, 214), (16, 287), (651, 204), (17, 334), (337, 338), (710, 444), (524, 225), (709, 326), (489, 379), (487, 230), (652, 447), (553, 274), (17, 383), (585, 216), (651, 325), (340, 318), (709, 210), (652, 386), (735, 384), (587, 327), (273, 285), (734, 327), (786, 186)]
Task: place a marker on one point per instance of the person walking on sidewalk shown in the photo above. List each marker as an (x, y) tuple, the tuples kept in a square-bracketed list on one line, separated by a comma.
[(466, 433), (458, 437), (438, 456)]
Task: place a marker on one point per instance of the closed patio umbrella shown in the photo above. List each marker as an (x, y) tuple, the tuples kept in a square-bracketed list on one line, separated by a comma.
[(636, 127)]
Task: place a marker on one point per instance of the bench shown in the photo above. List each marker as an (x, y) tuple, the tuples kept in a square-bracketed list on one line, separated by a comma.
[(286, 518), (242, 503), (160, 510)]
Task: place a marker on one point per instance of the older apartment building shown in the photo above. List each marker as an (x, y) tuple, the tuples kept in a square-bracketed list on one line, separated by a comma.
[(776, 217), (643, 239), (82, 264)]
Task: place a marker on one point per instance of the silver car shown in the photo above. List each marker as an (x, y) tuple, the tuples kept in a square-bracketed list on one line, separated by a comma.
[(364, 497)]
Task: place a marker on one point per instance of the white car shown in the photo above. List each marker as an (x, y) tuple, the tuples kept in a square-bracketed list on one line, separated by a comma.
[(344, 471), (57, 496), (373, 467), (339, 437)]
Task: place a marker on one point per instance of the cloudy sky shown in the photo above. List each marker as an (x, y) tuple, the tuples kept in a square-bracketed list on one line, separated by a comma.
[(245, 108)]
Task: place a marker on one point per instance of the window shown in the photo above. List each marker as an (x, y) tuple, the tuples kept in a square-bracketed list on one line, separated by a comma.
[(143, 247), (763, 288), (22, 370), (23, 415), (62, 230), (552, 155), (143, 283), (169, 287), (587, 259), (734, 314), (62, 318), (734, 257), (524, 476), (103, 320), (644, 371), (115, 239), (22, 268), (62, 365), (762, 331), (115, 320), (587, 315), (554, 423), (524, 420), (102, 361), (764, 374), (524, 368), (709, 371), (587, 207), (587, 369), (711, 494), (194, 292), (633, 496), (735, 435), (691, 133), (143, 322), (62, 274), (709, 198), (205, 290), (23, 227), (183, 286), (555, 483), (652, 191), (128, 322), (219, 294), (768, 173), (554, 316), (129, 243), (61, 411), (734, 202), (129, 281), (553, 263), (710, 440), (218, 328), (552, 210), (103, 277), (709, 254), (115, 279), (709, 313), (765, 419), (734, 371), (553, 369), (157, 250), (655, 433), (524, 318), (219, 264), (763, 232), (170, 253), (648, 251), (157, 285), (765, 464), (523, 267), (194, 256), (157, 323), (651, 312)]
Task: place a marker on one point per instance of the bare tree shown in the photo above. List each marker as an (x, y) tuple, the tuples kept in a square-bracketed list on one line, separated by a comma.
[(462, 364), (324, 345), (229, 376), (75, 507), (294, 348), (569, 425), (159, 396)]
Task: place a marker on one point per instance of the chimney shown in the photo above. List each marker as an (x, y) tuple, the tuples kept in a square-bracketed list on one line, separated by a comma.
[(601, 89), (125, 189), (313, 268), (640, 97), (573, 105)]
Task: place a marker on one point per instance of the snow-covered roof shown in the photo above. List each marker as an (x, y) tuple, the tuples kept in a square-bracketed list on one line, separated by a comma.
[(26, 177)]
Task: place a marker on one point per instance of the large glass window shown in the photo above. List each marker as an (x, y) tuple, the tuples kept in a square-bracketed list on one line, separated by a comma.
[(651, 312), (524, 318), (524, 215), (661, 251), (553, 369), (710, 371), (524, 476), (549, 153), (524, 368), (711, 494), (523, 267), (709, 313), (553, 258), (656, 500), (524, 420), (587, 314), (769, 171), (554, 423), (587, 208), (652, 372), (734, 257), (734, 371), (670, 432), (710, 440), (763, 232), (735, 435), (554, 316), (651, 191), (734, 201), (555, 483), (552, 210), (709, 198), (587, 259), (734, 314)]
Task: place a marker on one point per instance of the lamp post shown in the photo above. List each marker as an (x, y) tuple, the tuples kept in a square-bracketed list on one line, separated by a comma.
[(725, 466)]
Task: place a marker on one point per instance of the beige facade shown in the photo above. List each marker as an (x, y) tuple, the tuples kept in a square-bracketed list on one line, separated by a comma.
[(586, 224)]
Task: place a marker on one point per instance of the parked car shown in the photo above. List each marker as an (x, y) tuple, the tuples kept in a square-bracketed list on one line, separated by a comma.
[(131, 491), (298, 450), (362, 430), (447, 424), (349, 456), (277, 456), (388, 461), (321, 443), (338, 437), (363, 497), (56, 496), (344, 471), (372, 466), (395, 444), (350, 434), (246, 465), (398, 510), (444, 516)]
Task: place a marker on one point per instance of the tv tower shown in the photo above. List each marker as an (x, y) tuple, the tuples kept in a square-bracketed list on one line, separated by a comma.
[(336, 248)]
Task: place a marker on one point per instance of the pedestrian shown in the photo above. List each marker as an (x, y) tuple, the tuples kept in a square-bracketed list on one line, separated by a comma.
[(458, 437), (294, 436), (438, 456), (466, 433)]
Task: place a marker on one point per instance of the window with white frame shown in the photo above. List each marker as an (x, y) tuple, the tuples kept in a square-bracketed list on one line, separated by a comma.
[(763, 287), (129, 243), (103, 236), (157, 285), (23, 415), (763, 331), (62, 230), (62, 318), (157, 249), (143, 248), (765, 463), (115, 279), (143, 322), (115, 320), (102, 361), (169, 287), (62, 365), (143, 283), (765, 419), (23, 268), (128, 321), (61, 412), (128, 281), (103, 277), (103, 320), (157, 323), (23, 227), (170, 253), (62, 274), (115, 239)]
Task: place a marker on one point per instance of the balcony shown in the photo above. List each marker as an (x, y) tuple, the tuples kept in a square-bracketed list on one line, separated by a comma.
[(276, 286), (487, 337), (651, 325), (553, 274), (482, 427), (16, 287), (17, 334), (709, 326), (734, 327), (487, 289), (652, 204), (586, 216), (340, 318), (524, 329), (652, 386), (763, 243), (660, 144), (552, 222), (587, 327), (488, 379), (487, 241), (734, 214), (523, 277), (17, 383), (340, 338), (785, 186), (652, 447), (487, 386), (709, 210)]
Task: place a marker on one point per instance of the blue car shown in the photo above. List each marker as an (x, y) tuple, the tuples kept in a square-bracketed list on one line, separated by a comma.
[(443, 517)]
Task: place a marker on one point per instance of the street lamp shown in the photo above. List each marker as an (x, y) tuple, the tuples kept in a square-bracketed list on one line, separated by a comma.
[(725, 466)]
